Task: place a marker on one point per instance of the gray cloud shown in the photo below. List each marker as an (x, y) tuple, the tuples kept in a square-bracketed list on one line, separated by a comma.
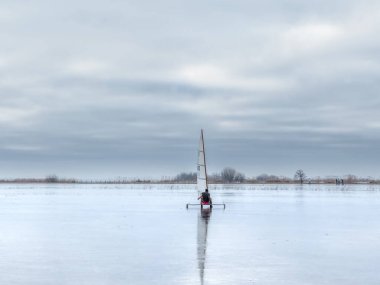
[(95, 89)]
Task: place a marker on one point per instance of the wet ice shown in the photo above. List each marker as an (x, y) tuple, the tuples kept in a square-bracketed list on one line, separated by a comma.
[(143, 234)]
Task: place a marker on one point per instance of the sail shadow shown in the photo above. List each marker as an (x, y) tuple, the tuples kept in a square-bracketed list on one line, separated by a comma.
[(203, 221)]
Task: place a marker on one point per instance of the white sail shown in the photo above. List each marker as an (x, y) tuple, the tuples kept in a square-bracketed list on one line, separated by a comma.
[(201, 166)]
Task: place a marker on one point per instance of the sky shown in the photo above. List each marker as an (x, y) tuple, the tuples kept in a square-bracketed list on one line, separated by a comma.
[(105, 89)]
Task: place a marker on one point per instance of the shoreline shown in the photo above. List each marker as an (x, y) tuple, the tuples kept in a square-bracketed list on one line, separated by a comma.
[(183, 183)]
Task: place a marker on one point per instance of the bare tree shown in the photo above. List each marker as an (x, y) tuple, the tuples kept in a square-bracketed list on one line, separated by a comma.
[(239, 177), (214, 178), (300, 175), (262, 177), (51, 178), (228, 174), (273, 178), (265, 178), (186, 177), (350, 178)]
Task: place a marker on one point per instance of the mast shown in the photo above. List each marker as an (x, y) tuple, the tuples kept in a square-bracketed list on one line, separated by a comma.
[(202, 182), (204, 158)]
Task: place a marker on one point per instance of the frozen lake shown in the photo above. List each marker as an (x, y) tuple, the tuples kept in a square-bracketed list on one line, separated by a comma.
[(143, 234)]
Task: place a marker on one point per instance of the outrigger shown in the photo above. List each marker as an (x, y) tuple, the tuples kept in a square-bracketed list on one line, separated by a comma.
[(206, 204), (202, 182)]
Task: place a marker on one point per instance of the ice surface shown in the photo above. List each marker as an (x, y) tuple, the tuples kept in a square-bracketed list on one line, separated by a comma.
[(143, 234)]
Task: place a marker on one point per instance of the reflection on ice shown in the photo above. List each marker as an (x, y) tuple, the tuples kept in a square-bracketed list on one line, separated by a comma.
[(203, 221)]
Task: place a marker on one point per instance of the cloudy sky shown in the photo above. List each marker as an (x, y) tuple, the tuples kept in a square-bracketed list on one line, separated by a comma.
[(103, 89)]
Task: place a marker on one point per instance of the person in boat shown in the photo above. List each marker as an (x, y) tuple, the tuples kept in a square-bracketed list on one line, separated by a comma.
[(205, 197)]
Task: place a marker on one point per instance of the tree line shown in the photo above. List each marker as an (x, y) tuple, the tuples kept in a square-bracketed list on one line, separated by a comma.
[(227, 175), (230, 175)]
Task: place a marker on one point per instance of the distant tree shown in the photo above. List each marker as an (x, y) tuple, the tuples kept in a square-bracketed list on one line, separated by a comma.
[(300, 175), (350, 178), (51, 178), (186, 176), (273, 178), (262, 177), (214, 178), (239, 177), (228, 174)]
